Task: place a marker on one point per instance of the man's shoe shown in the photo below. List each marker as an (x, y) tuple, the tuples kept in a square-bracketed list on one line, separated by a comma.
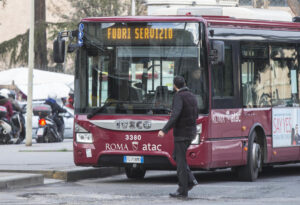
[(191, 186), (178, 195)]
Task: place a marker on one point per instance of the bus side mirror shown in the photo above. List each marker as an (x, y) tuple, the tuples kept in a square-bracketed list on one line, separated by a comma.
[(59, 50), (217, 52)]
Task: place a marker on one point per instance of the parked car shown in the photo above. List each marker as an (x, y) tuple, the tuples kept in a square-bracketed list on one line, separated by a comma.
[(68, 119)]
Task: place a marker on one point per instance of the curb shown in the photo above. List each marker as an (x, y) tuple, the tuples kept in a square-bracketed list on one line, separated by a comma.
[(11, 181), (75, 174)]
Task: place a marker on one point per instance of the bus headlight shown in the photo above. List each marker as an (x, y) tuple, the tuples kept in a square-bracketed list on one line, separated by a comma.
[(196, 140), (84, 137), (78, 128)]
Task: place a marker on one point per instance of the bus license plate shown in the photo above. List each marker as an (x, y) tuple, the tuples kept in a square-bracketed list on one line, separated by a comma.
[(133, 159), (40, 132)]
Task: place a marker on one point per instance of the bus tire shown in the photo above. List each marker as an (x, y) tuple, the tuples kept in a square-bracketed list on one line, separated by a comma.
[(135, 173), (250, 171)]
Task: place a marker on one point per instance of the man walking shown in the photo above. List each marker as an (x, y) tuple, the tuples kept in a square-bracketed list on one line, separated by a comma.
[(183, 121)]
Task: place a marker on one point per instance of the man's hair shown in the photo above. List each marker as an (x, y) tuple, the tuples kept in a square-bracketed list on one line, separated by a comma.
[(179, 81)]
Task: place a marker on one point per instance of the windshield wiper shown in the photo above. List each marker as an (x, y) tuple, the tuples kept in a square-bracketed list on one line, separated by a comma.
[(93, 42), (98, 110), (157, 110), (92, 114), (161, 109)]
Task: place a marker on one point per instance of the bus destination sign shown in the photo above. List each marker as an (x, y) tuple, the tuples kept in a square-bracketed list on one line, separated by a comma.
[(139, 33), (142, 34)]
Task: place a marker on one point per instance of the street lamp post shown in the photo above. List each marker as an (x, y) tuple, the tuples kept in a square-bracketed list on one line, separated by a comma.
[(133, 7), (30, 77)]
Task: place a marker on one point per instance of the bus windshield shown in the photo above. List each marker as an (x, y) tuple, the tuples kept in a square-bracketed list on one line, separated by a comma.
[(130, 67)]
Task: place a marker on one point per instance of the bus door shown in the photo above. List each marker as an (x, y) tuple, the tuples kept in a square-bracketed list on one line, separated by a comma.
[(269, 88), (226, 113), (285, 102)]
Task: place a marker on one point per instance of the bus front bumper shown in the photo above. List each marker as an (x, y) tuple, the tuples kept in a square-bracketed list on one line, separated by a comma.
[(198, 157)]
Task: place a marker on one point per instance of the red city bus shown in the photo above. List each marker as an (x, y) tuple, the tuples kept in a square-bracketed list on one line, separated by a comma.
[(244, 73)]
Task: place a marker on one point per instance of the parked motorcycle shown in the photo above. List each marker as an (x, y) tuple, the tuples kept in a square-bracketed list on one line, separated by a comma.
[(17, 122), (5, 127), (47, 129)]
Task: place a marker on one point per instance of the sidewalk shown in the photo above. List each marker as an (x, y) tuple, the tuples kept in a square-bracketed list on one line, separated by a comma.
[(19, 164)]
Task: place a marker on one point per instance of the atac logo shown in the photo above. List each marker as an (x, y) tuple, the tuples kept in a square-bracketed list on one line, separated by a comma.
[(135, 146)]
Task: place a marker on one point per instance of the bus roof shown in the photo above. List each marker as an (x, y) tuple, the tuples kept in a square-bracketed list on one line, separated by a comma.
[(221, 21), (213, 21), (142, 18)]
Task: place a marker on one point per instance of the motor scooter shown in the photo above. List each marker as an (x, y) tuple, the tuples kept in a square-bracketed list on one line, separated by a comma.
[(5, 127), (47, 129), (17, 122)]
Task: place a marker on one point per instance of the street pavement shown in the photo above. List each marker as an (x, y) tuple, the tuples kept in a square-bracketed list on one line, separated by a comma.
[(22, 165), (278, 186), (38, 175)]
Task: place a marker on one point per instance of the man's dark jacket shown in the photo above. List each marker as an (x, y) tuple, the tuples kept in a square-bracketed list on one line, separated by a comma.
[(183, 116), (54, 106)]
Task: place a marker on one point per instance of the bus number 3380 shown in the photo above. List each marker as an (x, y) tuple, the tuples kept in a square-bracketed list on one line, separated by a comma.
[(133, 137)]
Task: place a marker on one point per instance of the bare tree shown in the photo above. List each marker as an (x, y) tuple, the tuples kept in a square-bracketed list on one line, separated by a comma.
[(260, 3), (88, 8), (15, 50), (95, 8), (295, 6), (3, 2), (40, 39)]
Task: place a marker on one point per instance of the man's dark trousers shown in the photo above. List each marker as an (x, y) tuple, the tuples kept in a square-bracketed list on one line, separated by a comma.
[(184, 174)]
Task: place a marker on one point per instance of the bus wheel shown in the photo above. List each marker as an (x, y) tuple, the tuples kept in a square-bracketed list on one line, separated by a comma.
[(135, 173), (250, 171)]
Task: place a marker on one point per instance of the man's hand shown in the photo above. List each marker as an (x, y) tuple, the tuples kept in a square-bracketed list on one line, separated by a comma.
[(161, 134)]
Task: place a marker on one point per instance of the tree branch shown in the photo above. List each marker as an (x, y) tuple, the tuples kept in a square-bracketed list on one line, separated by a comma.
[(295, 6)]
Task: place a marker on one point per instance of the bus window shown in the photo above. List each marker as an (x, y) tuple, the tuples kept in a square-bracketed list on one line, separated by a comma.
[(223, 76), (256, 75), (97, 75), (284, 65), (297, 86)]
